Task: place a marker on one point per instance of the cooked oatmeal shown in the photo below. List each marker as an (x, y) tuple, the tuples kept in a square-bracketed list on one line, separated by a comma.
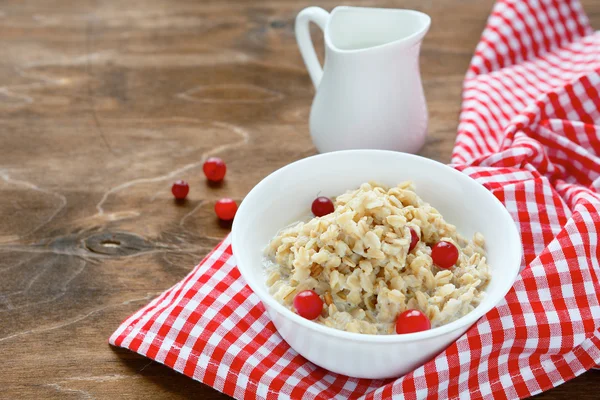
[(357, 260)]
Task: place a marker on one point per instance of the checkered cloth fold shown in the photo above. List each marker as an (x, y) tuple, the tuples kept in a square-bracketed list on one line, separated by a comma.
[(530, 133)]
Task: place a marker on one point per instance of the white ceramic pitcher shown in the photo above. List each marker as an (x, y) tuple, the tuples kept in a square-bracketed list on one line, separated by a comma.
[(369, 92)]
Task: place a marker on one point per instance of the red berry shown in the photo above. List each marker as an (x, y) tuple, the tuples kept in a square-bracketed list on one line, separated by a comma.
[(322, 206), (214, 168), (225, 209), (444, 254), (308, 304), (180, 189), (411, 321), (414, 239)]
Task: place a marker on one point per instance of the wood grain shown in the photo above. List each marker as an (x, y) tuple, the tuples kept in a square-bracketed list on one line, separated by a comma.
[(102, 105)]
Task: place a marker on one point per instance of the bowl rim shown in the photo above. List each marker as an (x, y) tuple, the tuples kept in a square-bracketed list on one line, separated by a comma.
[(466, 320)]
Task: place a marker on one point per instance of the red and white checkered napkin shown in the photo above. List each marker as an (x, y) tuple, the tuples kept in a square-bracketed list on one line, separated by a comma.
[(530, 133)]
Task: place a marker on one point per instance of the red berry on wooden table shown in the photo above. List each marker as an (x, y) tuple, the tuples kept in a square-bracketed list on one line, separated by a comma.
[(444, 254), (180, 189), (414, 239), (225, 209), (411, 321), (308, 304), (322, 206), (214, 169)]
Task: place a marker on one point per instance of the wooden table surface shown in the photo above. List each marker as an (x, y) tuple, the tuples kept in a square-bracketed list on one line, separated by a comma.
[(103, 104)]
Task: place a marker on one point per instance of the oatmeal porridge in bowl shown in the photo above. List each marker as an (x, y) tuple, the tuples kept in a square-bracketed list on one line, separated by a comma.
[(380, 255), (369, 263)]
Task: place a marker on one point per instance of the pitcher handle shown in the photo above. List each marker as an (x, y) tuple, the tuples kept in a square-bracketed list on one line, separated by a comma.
[(307, 49)]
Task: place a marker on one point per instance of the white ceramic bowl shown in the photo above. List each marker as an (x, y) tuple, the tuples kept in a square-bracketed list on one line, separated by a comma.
[(285, 195)]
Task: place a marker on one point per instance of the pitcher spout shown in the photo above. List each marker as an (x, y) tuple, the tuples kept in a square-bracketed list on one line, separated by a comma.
[(360, 28)]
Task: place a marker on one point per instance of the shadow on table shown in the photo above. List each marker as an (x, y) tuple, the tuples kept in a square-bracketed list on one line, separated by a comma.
[(174, 383)]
